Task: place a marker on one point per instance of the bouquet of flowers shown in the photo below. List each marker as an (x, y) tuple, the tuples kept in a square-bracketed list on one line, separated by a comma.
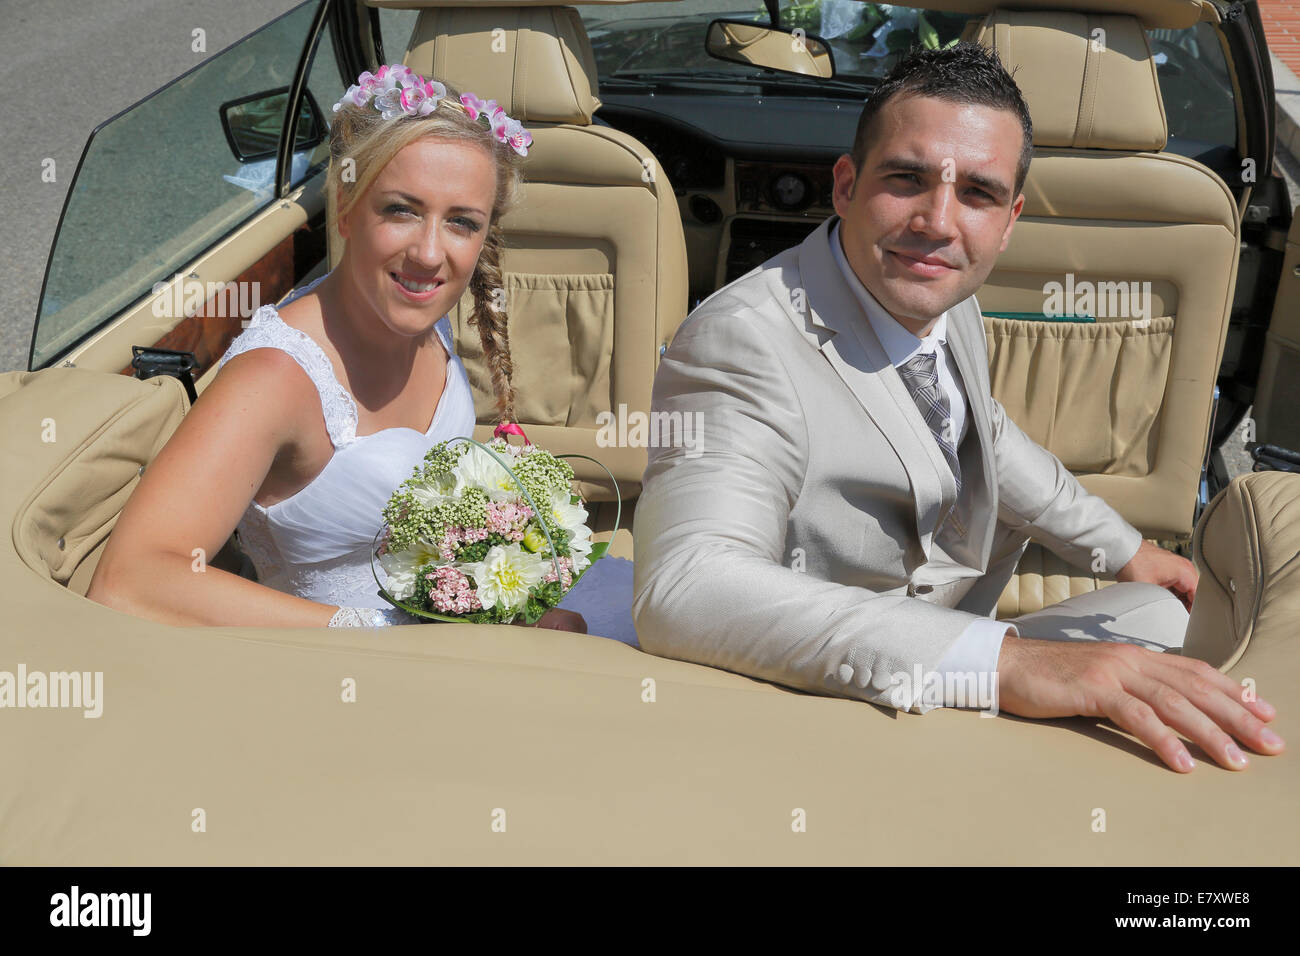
[(484, 534)]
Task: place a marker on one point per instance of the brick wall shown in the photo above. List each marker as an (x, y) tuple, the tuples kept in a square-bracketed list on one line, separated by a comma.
[(1282, 27)]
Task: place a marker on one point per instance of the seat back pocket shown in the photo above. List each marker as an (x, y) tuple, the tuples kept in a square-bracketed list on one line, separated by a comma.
[(561, 344), (1089, 392)]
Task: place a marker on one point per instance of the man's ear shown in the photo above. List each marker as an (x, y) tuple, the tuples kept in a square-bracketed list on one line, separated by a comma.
[(846, 177), (1016, 208)]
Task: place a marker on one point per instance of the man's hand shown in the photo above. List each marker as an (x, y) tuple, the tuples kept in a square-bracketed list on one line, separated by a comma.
[(1155, 565), (1152, 695)]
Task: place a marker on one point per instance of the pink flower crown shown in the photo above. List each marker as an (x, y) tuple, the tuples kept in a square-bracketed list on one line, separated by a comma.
[(396, 90)]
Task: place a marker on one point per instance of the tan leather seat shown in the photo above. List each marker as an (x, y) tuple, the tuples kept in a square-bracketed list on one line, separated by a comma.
[(1124, 402), (595, 264), (1246, 548), (77, 474)]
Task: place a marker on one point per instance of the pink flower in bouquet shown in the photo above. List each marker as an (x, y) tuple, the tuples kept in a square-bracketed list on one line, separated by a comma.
[(455, 537), (451, 593), (566, 573), (508, 519)]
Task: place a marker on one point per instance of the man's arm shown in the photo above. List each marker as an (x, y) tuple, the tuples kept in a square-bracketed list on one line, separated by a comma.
[(712, 580), (1037, 494), (1154, 696)]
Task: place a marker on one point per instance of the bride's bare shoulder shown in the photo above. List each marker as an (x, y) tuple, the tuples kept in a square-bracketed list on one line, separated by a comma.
[(303, 314), (269, 381), (265, 382)]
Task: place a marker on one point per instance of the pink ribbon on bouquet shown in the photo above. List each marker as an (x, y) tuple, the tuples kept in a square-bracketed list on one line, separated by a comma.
[(510, 428)]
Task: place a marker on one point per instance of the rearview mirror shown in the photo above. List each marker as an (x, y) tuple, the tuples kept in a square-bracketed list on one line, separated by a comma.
[(741, 41), (252, 124)]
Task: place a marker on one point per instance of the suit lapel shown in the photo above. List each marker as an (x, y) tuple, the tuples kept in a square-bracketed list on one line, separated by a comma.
[(855, 353)]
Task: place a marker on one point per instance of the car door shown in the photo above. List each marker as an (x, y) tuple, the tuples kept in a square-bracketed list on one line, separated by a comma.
[(1277, 399), (1273, 347), (194, 206), (1217, 87)]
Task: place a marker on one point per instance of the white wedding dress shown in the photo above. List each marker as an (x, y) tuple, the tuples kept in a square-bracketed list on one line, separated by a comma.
[(316, 543)]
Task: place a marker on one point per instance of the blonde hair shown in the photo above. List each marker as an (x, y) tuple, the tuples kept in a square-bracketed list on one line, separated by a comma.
[(362, 135)]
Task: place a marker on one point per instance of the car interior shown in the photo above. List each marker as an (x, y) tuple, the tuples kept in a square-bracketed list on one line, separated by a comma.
[(599, 261), (605, 257)]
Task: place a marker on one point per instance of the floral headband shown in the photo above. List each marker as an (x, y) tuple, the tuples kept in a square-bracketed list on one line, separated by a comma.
[(397, 91)]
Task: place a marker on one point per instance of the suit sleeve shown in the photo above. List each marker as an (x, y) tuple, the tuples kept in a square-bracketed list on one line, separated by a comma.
[(713, 582), (1036, 493)]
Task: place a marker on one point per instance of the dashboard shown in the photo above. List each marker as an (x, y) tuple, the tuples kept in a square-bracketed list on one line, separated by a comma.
[(784, 188), (752, 174)]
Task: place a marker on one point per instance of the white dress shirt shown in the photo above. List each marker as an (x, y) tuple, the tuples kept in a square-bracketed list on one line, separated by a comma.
[(976, 648)]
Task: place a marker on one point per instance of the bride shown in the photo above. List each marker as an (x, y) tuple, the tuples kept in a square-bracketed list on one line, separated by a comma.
[(323, 406)]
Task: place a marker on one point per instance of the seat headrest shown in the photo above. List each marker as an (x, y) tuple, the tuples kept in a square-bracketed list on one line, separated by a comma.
[(536, 62), (1089, 79)]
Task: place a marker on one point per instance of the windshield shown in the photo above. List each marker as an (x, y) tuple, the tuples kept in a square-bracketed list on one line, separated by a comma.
[(866, 39)]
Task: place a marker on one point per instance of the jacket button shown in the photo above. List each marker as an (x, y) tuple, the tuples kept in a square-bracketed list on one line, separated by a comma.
[(924, 589)]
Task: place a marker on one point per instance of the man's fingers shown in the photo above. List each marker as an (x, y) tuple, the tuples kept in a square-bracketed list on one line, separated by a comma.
[(1191, 720), (1219, 697), (1190, 579), (1138, 718), (1187, 671)]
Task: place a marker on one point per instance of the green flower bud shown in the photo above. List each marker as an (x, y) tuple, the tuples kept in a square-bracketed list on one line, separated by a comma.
[(534, 539)]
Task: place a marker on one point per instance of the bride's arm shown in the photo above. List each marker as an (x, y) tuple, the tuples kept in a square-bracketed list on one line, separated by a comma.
[(195, 491)]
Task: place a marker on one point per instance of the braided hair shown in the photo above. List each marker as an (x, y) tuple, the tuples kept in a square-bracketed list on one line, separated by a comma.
[(489, 316)]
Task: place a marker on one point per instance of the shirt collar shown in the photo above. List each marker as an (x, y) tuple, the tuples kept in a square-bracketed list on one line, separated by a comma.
[(898, 343)]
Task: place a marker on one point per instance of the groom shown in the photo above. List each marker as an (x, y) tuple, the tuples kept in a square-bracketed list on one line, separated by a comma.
[(861, 499)]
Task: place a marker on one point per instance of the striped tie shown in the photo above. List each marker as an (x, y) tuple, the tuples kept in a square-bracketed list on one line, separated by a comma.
[(922, 380)]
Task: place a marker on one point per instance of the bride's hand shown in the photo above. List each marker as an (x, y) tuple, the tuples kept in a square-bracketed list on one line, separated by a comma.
[(558, 619)]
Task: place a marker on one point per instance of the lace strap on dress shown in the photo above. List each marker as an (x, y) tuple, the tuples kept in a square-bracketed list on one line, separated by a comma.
[(267, 330)]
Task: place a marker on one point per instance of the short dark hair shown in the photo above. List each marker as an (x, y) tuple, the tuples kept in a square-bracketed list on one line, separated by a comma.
[(962, 73)]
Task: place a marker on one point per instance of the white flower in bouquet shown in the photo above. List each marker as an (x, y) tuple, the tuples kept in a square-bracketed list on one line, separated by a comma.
[(478, 469), (506, 575), (402, 567), (580, 548), (573, 519), (432, 492)]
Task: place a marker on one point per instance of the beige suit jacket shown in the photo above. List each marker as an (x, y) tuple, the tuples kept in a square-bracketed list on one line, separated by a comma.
[(782, 543)]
